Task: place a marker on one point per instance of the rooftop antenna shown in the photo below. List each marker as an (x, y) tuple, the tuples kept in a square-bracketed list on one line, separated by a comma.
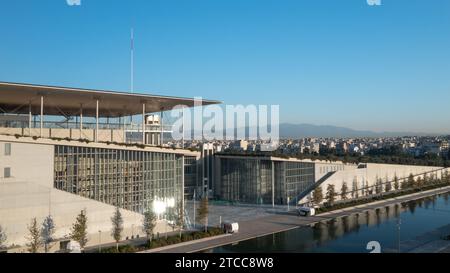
[(132, 60)]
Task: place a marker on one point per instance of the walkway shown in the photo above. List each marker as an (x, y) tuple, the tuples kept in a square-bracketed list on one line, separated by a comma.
[(280, 222)]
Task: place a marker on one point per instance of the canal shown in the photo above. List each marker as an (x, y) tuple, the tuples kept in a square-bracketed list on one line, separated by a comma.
[(392, 227)]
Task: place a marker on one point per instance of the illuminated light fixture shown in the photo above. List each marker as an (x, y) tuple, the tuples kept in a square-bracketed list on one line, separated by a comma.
[(159, 207), (170, 202)]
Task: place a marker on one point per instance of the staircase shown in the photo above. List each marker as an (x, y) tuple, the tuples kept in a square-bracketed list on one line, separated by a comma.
[(312, 188)]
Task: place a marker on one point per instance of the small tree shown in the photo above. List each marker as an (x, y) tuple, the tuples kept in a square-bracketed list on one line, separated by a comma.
[(426, 181), (202, 212), (149, 224), (388, 185), (318, 196), (446, 177), (180, 217), (3, 238), (331, 194), (419, 182), (367, 189), (79, 230), (344, 191), (396, 183), (47, 232), (411, 181), (355, 188), (117, 227), (34, 237), (378, 186)]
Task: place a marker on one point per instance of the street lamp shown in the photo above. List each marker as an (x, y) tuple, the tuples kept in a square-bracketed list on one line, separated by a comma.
[(99, 241), (195, 223), (399, 228)]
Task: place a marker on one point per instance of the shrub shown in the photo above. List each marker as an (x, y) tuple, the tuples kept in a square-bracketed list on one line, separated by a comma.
[(127, 249), (187, 237)]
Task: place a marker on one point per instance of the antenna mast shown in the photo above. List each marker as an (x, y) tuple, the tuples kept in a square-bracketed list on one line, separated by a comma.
[(132, 60)]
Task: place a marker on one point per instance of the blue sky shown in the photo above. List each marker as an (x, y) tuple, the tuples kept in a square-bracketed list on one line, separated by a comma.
[(333, 62)]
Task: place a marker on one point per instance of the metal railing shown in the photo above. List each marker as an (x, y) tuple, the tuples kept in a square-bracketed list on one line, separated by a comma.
[(134, 127)]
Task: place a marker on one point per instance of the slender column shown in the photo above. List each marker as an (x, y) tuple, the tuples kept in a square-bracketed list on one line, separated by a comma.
[(273, 184), (30, 118), (124, 121), (96, 121), (42, 116), (81, 121), (143, 123), (162, 127), (183, 187), (182, 121)]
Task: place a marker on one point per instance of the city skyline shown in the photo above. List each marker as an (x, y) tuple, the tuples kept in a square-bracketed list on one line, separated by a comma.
[(341, 63)]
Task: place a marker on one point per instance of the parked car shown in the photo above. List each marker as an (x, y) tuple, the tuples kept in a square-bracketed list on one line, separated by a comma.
[(306, 211), (73, 247), (231, 228)]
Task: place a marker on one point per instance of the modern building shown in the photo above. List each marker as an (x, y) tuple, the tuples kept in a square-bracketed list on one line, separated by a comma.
[(278, 181), (64, 150), (261, 179), (363, 177), (192, 176)]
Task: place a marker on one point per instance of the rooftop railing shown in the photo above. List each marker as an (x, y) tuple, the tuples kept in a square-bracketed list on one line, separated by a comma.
[(86, 126)]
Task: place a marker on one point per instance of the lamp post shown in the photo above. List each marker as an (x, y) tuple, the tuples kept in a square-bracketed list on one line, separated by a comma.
[(194, 209), (99, 241), (399, 222)]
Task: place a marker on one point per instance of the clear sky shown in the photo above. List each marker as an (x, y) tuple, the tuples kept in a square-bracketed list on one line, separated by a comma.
[(329, 62)]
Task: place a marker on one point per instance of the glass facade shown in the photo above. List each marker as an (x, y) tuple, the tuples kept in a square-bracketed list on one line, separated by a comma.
[(192, 181), (131, 180), (245, 180), (294, 177), (249, 180)]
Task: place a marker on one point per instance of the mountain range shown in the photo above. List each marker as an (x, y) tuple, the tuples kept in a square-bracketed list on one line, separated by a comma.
[(288, 130)]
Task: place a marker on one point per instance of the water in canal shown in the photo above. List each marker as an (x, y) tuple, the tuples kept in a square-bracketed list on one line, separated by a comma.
[(352, 234)]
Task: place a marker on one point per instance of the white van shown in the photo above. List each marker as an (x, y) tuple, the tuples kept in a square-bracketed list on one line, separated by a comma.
[(231, 227), (306, 211), (73, 247)]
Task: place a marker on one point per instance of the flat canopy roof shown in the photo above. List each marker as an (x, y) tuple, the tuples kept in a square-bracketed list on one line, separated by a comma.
[(15, 98)]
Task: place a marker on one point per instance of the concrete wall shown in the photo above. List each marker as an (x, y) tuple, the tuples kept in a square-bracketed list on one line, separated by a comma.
[(29, 193), (322, 168), (20, 202), (368, 176), (28, 162)]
